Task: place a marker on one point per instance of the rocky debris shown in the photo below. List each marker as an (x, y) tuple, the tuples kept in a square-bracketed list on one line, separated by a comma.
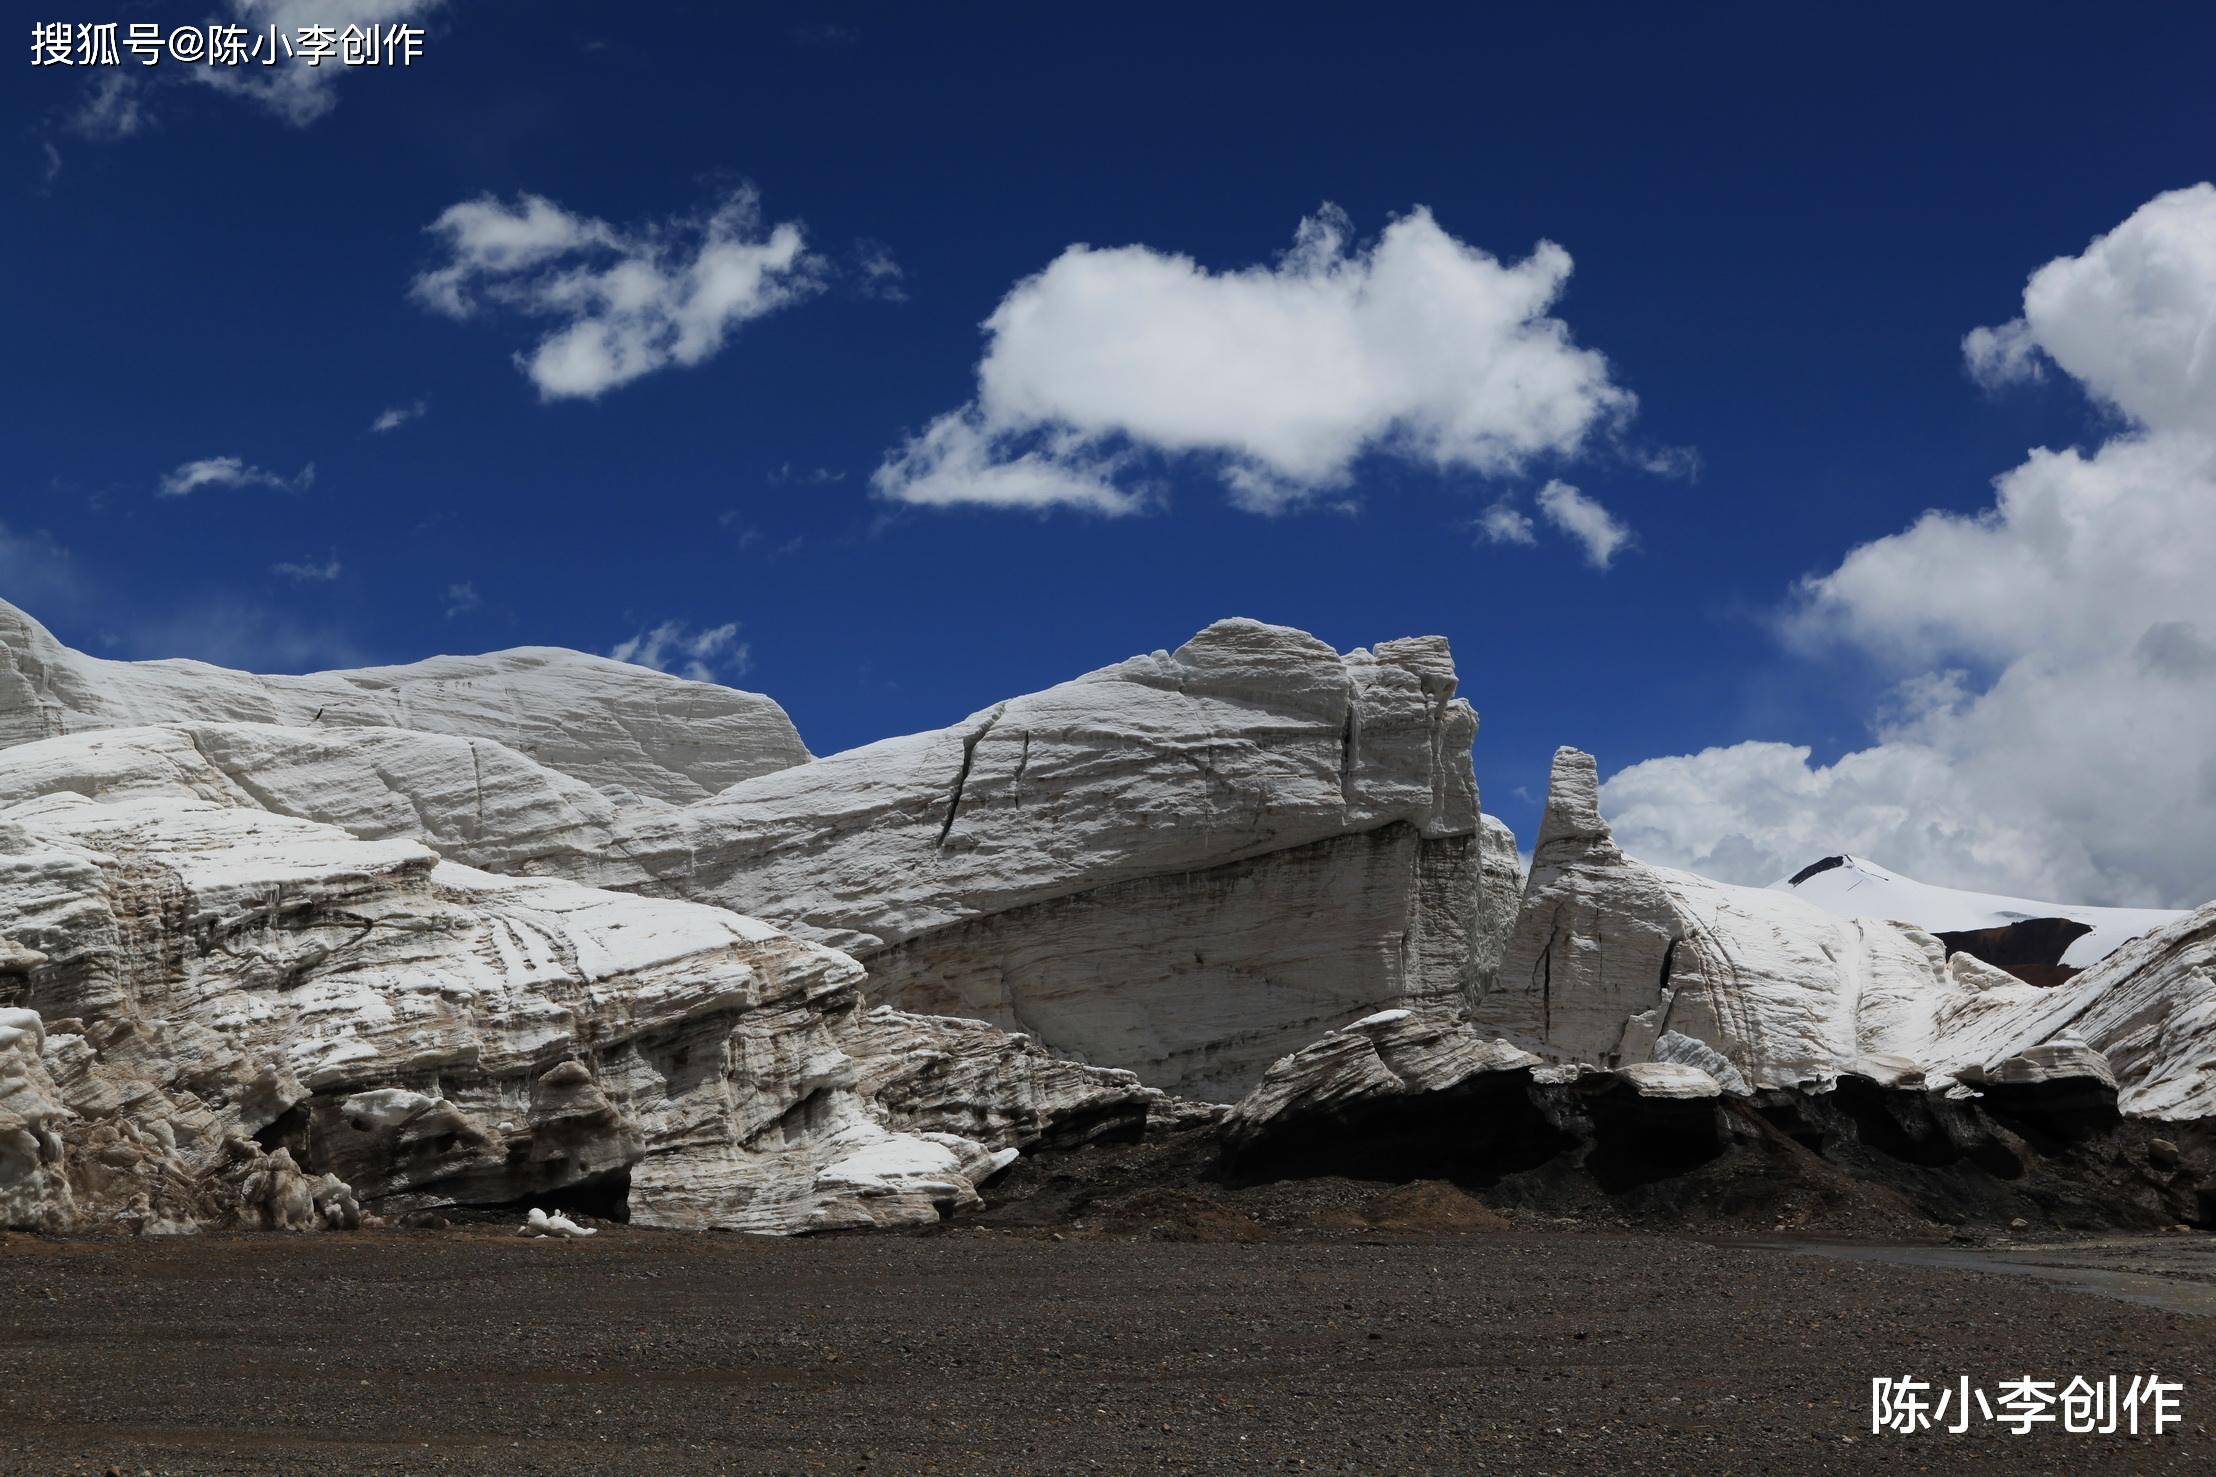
[(1405, 1095), (2031, 949), (1412, 1098), (1615, 962), (2057, 1091), (628, 730), (276, 1195), (237, 1017), (1538, 1351), (1430, 1208), (35, 1192)]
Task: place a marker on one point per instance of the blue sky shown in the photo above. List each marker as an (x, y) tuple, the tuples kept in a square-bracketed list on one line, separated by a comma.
[(1782, 226)]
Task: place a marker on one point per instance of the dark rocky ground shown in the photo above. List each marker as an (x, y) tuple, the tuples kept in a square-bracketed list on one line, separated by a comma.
[(1331, 1325)]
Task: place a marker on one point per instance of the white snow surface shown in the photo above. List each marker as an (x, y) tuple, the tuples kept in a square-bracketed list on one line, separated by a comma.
[(628, 731), (539, 1224), (1185, 864), (191, 968), (1863, 889), (1620, 963)]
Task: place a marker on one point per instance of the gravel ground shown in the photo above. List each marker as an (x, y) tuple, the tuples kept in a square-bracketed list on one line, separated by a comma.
[(976, 1349)]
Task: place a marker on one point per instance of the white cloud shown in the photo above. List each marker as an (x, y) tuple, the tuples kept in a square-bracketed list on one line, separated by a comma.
[(116, 105), (959, 460), (813, 476), (2002, 355), (462, 598), (622, 303), (393, 417), (290, 88), (1502, 523), (2133, 317), (1585, 520), (113, 108), (877, 274), (673, 646), (308, 570), (1683, 462), (2054, 730), (1415, 345), (228, 471)]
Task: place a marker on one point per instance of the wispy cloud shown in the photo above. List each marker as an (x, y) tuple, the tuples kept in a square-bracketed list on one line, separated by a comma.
[(292, 90), (309, 570), (786, 472), (1595, 529), (113, 108), (877, 274), (118, 102), (393, 417), (673, 646), (623, 302), (229, 471), (462, 598)]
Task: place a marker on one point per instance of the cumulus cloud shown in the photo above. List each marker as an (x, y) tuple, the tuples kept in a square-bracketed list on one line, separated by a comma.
[(228, 471), (673, 646), (308, 570), (2130, 318), (620, 303), (1415, 345), (290, 88), (1503, 523), (2054, 729), (393, 417), (1595, 529)]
